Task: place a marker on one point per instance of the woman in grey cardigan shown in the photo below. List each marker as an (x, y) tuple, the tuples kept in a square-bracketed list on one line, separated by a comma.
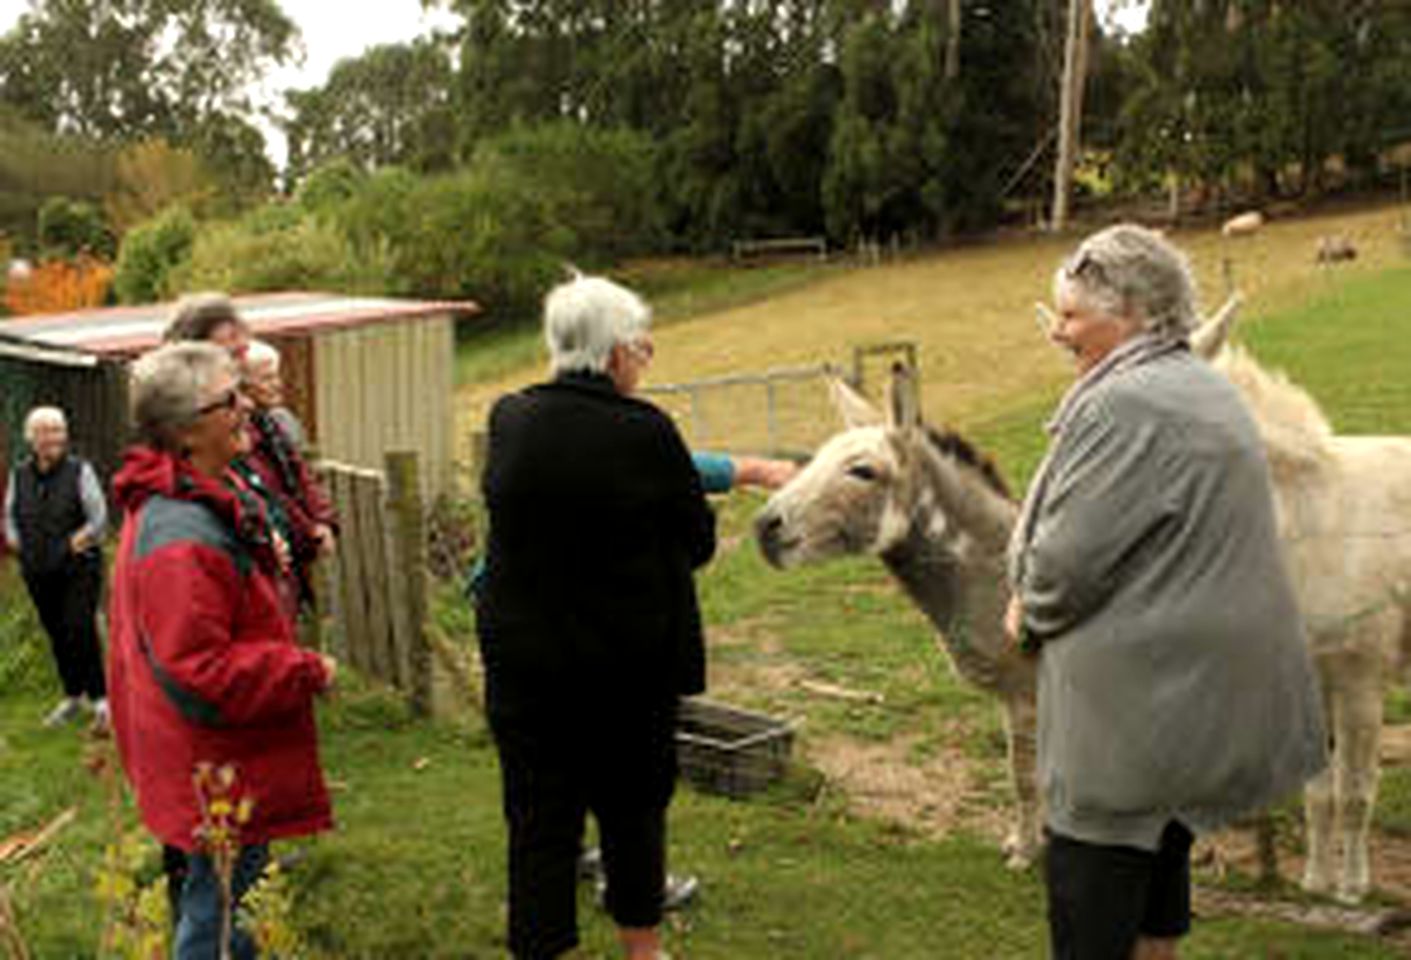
[(1175, 689)]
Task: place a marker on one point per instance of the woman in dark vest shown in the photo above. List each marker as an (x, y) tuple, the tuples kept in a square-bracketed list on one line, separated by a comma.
[(55, 517)]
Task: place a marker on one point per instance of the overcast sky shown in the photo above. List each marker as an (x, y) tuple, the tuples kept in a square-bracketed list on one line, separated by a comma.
[(333, 29)]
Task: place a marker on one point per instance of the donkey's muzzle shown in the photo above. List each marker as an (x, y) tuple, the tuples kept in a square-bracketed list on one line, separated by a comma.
[(769, 534)]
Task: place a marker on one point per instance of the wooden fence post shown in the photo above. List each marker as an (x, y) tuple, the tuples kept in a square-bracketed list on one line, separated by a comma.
[(408, 530), (352, 606), (378, 657), (329, 592)]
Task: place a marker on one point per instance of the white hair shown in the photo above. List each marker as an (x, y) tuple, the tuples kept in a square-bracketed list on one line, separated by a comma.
[(261, 353), (43, 417), (586, 317), (167, 386), (1130, 271)]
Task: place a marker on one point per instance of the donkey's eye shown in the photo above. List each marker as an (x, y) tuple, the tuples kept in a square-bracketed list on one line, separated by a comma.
[(862, 471)]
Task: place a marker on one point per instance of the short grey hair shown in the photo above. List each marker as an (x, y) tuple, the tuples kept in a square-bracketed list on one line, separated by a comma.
[(197, 315), (168, 387), (586, 317), (1129, 271), (43, 417), (261, 353)]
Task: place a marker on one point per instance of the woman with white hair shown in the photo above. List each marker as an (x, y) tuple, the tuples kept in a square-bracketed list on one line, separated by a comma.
[(587, 618), (204, 666), (55, 518), (301, 509), (1175, 689)]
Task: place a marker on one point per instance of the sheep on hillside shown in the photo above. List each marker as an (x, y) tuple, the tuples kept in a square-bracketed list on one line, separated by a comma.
[(1244, 225)]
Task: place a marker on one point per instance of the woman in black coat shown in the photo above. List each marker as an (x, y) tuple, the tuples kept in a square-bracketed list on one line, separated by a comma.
[(588, 620)]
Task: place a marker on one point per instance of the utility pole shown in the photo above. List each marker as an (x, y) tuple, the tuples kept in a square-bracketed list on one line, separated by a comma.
[(1070, 108), (953, 14)]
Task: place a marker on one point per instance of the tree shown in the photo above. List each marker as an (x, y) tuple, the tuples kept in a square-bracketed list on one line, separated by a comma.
[(36, 165), (389, 106), (151, 176), (1257, 97), (123, 70), (128, 68)]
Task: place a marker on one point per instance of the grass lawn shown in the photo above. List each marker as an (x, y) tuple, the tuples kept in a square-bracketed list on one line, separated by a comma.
[(816, 868), (416, 866)]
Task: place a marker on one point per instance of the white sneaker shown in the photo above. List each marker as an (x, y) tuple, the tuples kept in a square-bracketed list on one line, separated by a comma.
[(65, 711), (101, 716)]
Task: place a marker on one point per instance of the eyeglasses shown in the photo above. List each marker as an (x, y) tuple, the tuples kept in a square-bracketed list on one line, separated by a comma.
[(643, 349), (230, 400)]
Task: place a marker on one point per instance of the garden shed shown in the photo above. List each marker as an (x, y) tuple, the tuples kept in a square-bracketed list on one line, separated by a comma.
[(364, 374)]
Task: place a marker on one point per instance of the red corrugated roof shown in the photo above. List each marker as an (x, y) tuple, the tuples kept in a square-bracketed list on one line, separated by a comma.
[(124, 331)]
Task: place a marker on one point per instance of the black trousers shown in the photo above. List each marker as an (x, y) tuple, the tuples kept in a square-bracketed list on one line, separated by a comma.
[(556, 770), (1101, 898), (67, 603)]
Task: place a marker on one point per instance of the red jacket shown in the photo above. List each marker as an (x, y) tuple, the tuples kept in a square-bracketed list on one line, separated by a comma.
[(202, 664)]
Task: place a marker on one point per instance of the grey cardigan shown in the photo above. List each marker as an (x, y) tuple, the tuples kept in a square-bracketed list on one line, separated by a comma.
[(1174, 680)]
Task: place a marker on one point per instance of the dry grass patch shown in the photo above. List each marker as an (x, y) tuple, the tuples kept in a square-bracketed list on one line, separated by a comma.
[(971, 312)]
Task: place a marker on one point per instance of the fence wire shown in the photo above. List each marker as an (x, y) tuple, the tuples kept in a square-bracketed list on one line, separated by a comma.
[(777, 413)]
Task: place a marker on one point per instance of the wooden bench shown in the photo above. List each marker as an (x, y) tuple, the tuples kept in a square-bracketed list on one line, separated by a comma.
[(779, 246)]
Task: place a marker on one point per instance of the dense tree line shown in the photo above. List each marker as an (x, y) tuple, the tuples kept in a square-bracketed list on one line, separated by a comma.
[(854, 117), (1256, 97), (596, 129)]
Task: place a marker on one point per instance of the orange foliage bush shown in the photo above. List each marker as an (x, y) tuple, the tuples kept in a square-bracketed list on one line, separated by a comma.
[(58, 285)]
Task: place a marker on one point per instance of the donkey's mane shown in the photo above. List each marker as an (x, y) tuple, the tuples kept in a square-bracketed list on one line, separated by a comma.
[(1294, 428), (951, 444)]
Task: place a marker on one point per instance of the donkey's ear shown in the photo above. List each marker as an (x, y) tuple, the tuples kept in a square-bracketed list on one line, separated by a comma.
[(855, 409), (1213, 334), (903, 398)]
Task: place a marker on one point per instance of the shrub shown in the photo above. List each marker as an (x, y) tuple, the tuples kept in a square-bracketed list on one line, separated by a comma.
[(329, 185), (55, 286), (68, 228), (487, 237), (597, 183), (274, 249), (150, 253)]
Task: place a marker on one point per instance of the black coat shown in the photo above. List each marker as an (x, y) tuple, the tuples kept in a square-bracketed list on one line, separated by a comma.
[(597, 520)]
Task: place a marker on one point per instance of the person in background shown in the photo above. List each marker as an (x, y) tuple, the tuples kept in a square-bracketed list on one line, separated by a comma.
[(300, 507), (55, 519), (204, 667), (265, 386), (209, 318), (588, 621), (1175, 687)]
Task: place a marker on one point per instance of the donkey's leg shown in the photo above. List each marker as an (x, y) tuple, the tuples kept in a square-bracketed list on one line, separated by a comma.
[(1026, 838), (1356, 768), (1318, 798)]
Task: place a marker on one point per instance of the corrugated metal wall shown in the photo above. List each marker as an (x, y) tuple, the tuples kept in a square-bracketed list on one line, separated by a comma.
[(94, 399), (384, 387)]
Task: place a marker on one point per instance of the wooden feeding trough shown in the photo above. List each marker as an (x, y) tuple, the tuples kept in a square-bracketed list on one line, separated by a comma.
[(727, 750)]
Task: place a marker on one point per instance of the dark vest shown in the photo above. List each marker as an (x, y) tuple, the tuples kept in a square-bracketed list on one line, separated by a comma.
[(48, 509)]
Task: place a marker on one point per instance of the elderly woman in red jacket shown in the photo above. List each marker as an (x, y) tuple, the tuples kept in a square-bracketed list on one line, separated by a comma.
[(203, 666)]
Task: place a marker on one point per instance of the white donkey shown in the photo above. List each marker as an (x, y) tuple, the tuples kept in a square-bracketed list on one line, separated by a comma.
[(1344, 509), (938, 515)]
